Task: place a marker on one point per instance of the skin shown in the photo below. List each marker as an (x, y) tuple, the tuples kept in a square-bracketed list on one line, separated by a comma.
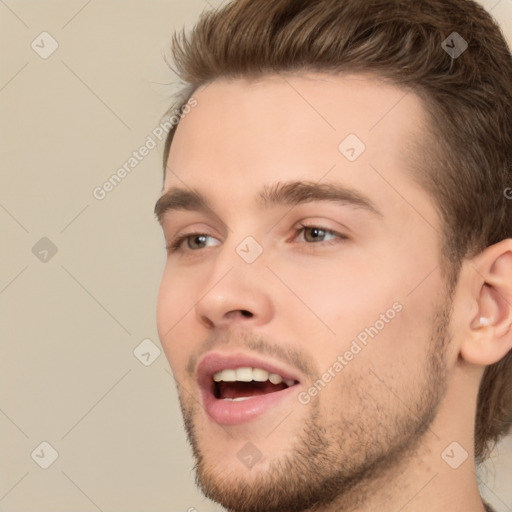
[(372, 439)]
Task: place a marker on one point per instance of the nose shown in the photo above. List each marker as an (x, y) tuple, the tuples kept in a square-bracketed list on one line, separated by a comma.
[(237, 293)]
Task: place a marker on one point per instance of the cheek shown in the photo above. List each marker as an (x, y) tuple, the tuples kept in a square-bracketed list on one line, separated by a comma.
[(173, 306), (164, 308), (376, 369), (368, 306), (346, 292), (176, 297)]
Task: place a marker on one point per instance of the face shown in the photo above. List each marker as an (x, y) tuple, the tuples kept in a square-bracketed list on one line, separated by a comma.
[(301, 305)]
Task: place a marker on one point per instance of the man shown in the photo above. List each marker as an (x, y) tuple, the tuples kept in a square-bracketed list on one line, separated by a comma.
[(336, 304)]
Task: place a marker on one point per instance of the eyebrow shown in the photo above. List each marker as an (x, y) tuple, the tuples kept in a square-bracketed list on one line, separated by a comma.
[(289, 193)]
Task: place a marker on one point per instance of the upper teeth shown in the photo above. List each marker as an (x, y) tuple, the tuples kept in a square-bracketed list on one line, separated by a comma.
[(247, 374)]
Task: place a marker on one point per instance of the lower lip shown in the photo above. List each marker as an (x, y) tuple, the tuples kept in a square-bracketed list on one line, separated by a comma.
[(226, 412)]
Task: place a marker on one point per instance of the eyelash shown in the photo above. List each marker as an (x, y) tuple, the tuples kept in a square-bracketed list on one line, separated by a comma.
[(174, 245)]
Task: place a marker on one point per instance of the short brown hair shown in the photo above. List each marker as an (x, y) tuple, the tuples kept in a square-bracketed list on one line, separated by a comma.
[(468, 98)]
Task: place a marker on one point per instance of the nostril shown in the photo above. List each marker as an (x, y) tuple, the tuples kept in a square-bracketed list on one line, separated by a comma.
[(235, 314), (206, 321)]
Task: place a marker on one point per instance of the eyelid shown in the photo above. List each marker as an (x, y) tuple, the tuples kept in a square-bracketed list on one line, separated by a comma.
[(312, 221), (176, 230)]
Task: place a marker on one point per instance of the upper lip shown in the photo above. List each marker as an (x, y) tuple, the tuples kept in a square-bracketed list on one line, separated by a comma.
[(214, 362)]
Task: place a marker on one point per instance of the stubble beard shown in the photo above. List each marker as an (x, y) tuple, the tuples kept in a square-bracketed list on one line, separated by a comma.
[(333, 464)]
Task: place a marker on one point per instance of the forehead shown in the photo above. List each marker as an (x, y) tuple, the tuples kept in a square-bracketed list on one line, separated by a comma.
[(245, 132)]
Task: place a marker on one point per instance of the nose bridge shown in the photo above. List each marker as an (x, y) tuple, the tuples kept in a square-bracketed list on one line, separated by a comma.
[(240, 253), (236, 289)]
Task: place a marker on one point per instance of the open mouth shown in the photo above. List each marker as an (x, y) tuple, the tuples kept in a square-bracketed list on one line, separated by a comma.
[(237, 388), (244, 383)]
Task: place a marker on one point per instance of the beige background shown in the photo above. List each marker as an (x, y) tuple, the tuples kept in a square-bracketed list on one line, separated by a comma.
[(70, 324)]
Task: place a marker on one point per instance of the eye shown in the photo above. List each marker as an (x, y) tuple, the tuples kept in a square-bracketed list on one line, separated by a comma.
[(311, 234), (317, 234), (195, 241)]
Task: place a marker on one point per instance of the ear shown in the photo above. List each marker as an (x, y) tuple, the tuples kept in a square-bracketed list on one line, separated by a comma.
[(488, 324)]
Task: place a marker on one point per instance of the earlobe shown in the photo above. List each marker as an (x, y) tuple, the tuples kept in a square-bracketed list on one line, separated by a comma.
[(489, 333)]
